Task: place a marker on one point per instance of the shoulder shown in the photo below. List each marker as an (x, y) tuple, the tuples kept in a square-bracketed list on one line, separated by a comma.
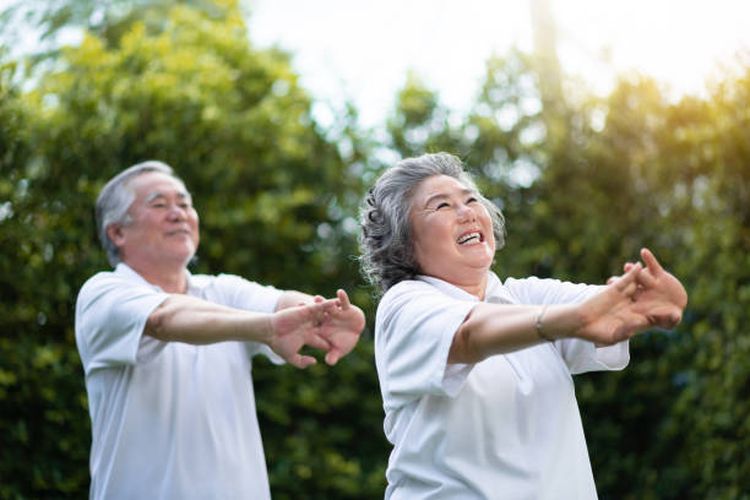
[(222, 284), (533, 290), (221, 280), (414, 300), (409, 286), (115, 290), (405, 291), (100, 283), (235, 291)]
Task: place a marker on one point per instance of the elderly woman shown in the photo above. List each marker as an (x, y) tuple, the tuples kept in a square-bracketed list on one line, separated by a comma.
[(475, 373)]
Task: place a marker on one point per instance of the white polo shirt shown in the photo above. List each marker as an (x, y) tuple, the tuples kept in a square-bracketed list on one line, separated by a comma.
[(170, 420), (507, 427)]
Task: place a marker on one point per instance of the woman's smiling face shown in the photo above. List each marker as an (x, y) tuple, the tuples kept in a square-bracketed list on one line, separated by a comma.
[(451, 232)]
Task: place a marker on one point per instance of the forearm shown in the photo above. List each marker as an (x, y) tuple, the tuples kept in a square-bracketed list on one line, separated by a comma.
[(188, 319), (491, 329)]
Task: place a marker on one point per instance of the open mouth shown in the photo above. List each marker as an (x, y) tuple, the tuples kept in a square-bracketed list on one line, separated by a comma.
[(470, 238)]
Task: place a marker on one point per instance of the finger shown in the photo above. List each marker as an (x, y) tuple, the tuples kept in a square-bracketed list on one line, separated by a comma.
[(318, 299), (638, 323), (650, 260), (628, 266), (315, 314), (612, 279), (628, 278), (647, 280), (343, 299), (333, 356), (318, 342), (630, 289), (675, 319), (326, 305), (300, 361)]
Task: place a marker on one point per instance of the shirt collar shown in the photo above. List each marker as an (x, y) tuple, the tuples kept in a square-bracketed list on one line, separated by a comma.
[(494, 287), (130, 274)]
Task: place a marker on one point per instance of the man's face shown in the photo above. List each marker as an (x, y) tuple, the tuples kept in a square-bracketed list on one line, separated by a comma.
[(164, 225)]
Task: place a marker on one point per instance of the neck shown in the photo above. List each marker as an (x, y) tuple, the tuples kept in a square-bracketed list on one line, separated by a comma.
[(171, 279), (475, 289), (474, 284)]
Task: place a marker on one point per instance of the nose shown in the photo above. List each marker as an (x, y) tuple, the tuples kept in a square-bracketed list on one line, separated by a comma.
[(177, 213), (465, 213)]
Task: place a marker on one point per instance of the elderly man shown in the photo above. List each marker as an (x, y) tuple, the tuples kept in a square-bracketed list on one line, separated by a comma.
[(167, 354)]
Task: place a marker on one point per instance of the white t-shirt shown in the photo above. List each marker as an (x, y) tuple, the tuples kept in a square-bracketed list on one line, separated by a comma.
[(170, 420), (507, 427)]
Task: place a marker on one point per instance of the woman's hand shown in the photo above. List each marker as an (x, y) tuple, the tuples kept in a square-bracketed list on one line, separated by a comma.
[(656, 299), (659, 296), (611, 316)]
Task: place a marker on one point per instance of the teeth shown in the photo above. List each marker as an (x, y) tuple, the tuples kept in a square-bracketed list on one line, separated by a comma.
[(468, 236)]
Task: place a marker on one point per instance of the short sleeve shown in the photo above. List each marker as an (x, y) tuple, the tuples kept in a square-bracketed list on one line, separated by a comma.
[(111, 313), (240, 293), (580, 356), (414, 331)]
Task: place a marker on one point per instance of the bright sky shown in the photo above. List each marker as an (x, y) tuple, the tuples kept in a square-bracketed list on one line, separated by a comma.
[(362, 49)]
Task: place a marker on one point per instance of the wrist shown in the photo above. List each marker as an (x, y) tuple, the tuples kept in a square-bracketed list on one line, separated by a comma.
[(539, 325), (560, 321), (268, 328)]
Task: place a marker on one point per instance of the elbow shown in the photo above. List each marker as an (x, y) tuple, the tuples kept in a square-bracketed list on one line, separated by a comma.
[(462, 348), (157, 321)]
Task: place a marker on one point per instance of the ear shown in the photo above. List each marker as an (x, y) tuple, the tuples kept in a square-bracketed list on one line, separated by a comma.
[(115, 234)]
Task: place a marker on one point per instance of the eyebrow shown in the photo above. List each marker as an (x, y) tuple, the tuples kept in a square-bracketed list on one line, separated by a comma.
[(158, 194), (442, 196)]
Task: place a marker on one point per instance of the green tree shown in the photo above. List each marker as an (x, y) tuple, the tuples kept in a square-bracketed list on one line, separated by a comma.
[(274, 193), (628, 170), (41, 402), (712, 178), (419, 123)]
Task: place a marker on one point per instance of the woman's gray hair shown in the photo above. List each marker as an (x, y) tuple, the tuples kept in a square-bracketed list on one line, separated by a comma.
[(116, 197), (387, 253)]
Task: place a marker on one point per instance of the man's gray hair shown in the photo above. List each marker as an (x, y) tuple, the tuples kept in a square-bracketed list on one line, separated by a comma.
[(116, 197), (387, 253)]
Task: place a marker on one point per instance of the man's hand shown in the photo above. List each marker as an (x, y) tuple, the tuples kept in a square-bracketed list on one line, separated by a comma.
[(331, 325), (295, 327), (342, 327)]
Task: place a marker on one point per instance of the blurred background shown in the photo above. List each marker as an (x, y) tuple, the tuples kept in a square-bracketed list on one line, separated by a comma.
[(598, 128)]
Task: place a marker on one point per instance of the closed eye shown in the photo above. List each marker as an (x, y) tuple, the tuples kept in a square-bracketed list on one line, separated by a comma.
[(442, 205), (472, 200)]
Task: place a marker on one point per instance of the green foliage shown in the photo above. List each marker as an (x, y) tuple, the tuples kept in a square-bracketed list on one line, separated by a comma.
[(583, 185), (275, 197), (43, 427), (582, 190), (322, 430), (419, 123)]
